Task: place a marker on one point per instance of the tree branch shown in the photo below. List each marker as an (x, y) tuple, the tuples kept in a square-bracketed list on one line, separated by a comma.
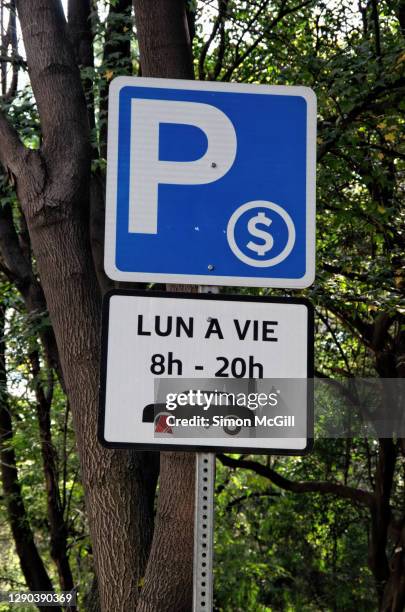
[(79, 25), (335, 339), (12, 150), (18, 269), (401, 16), (367, 103), (31, 562), (221, 47), (117, 58), (357, 276), (361, 329), (256, 494), (10, 40), (329, 488), (57, 524), (222, 4), (239, 59), (377, 35), (56, 85), (382, 514), (191, 17), (385, 150)]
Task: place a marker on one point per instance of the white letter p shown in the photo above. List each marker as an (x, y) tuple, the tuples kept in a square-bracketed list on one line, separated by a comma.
[(147, 171)]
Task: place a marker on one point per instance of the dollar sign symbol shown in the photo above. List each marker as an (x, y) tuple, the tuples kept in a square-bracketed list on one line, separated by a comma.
[(260, 219)]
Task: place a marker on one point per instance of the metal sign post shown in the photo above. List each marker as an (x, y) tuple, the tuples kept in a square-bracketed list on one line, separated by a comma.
[(203, 578), (204, 532)]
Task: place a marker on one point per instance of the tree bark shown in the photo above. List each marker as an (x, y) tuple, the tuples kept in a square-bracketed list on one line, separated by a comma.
[(164, 39), (165, 51)]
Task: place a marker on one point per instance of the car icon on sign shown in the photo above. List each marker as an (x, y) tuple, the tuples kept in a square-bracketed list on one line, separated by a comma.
[(153, 413)]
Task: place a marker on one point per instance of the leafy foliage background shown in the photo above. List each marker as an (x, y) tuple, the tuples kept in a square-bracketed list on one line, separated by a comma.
[(275, 549)]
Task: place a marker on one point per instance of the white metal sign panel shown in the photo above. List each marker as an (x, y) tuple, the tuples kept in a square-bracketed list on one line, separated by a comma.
[(155, 342)]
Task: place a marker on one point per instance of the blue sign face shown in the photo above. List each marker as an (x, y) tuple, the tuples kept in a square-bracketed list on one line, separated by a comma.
[(210, 183)]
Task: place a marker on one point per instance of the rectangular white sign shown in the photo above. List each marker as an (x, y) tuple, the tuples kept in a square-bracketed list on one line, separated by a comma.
[(157, 346)]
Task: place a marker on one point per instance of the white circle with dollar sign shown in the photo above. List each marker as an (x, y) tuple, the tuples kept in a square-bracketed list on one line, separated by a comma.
[(268, 241)]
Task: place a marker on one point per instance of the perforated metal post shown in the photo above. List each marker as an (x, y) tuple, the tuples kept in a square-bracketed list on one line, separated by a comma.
[(204, 532), (204, 521)]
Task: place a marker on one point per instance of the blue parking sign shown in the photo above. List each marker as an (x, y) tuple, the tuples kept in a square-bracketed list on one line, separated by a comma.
[(210, 183)]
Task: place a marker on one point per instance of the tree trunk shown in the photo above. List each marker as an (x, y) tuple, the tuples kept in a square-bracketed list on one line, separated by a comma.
[(393, 599), (31, 563), (81, 36), (52, 185), (117, 58), (57, 525), (165, 51), (164, 39), (18, 268), (381, 514), (169, 574)]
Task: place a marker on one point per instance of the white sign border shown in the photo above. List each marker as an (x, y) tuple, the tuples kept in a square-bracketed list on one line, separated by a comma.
[(207, 279)]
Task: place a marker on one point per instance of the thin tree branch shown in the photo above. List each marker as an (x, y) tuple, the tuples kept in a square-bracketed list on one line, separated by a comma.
[(57, 526), (221, 48), (10, 40), (19, 270), (239, 59), (250, 24), (117, 58), (248, 496), (367, 103), (13, 59), (359, 496), (361, 329), (336, 340), (32, 565), (374, 11), (357, 276), (222, 6), (387, 152)]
